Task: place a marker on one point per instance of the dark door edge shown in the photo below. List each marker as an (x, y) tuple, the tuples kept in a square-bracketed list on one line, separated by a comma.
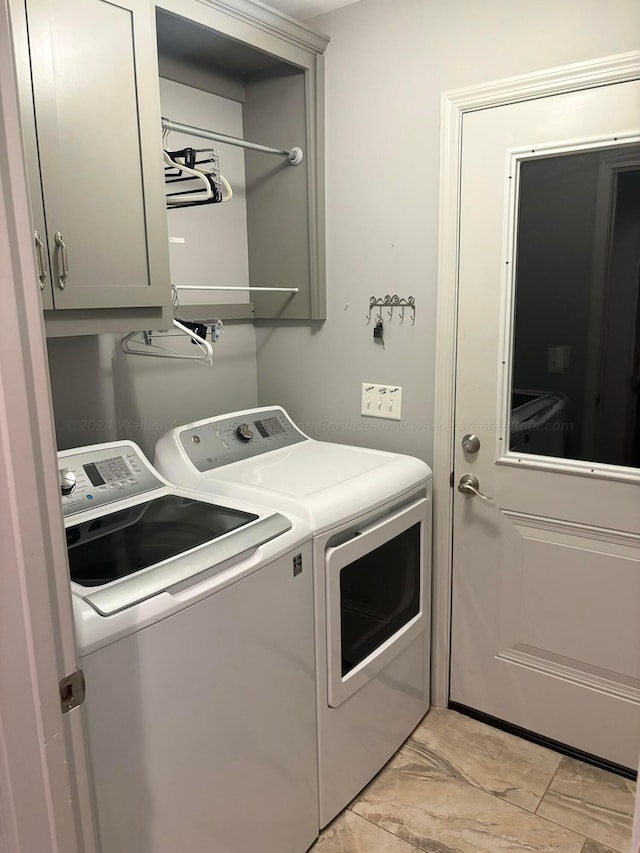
[(562, 748)]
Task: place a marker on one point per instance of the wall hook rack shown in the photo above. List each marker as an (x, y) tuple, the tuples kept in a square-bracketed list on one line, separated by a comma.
[(391, 303)]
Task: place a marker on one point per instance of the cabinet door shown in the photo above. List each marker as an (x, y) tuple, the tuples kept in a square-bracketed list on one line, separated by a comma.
[(25, 97), (94, 72)]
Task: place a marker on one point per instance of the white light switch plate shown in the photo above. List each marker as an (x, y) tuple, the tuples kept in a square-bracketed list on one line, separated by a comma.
[(381, 401), (558, 359)]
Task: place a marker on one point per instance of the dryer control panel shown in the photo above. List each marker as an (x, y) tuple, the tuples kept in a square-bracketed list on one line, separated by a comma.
[(101, 475), (233, 438)]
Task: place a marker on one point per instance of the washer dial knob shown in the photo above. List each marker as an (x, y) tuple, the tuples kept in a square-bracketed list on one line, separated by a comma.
[(67, 481), (244, 433)]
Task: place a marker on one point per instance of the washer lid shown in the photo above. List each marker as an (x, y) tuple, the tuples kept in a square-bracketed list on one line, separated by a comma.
[(129, 539), (124, 557)]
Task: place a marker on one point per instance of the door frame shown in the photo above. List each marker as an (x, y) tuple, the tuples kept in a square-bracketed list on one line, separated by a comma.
[(455, 104), (45, 801)]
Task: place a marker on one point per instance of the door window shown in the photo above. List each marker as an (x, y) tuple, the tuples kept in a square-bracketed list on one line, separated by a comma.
[(576, 353)]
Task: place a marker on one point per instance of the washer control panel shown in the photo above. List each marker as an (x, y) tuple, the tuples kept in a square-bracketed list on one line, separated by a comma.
[(232, 439), (103, 475)]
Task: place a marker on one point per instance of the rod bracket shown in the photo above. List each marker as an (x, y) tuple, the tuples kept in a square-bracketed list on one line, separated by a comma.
[(296, 156)]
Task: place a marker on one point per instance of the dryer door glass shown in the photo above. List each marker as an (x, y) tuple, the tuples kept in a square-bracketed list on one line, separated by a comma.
[(379, 594)]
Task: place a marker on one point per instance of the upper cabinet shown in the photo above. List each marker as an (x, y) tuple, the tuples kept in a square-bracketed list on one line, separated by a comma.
[(91, 124), (270, 68), (90, 103)]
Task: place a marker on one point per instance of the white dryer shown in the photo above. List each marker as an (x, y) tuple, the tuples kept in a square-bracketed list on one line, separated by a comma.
[(370, 514), (194, 629)]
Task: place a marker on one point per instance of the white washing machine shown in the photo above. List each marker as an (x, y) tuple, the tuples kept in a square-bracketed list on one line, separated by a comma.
[(194, 629), (370, 514)]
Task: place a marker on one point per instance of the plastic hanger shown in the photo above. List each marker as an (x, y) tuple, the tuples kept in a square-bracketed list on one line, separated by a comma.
[(194, 196), (132, 345), (185, 163), (223, 181)]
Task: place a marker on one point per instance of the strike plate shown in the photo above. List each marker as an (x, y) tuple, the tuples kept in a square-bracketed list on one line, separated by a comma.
[(72, 691)]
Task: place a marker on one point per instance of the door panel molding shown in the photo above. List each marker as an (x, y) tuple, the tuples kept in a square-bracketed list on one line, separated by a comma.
[(573, 528), (454, 105), (537, 635), (569, 669)]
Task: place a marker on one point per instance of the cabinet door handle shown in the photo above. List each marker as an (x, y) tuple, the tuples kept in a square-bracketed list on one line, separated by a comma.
[(64, 275), (42, 262)]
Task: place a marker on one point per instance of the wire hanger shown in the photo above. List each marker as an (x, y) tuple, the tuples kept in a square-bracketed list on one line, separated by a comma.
[(131, 344), (214, 172)]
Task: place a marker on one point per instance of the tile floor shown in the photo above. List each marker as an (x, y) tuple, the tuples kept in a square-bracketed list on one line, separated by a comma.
[(459, 786)]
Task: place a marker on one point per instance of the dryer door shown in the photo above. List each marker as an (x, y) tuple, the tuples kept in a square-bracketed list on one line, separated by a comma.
[(375, 597)]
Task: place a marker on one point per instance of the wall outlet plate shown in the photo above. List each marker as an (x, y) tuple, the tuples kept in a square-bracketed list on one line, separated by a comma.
[(381, 401)]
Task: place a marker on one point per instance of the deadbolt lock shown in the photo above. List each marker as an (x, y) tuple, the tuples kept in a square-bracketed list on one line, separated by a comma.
[(471, 443)]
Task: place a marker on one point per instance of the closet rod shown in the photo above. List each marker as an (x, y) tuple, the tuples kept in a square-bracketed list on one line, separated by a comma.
[(253, 289), (295, 155)]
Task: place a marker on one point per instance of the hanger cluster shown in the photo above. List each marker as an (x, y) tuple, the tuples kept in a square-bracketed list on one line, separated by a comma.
[(202, 182), (142, 343)]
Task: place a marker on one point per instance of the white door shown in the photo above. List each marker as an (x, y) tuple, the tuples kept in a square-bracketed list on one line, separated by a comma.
[(546, 577), (45, 802)]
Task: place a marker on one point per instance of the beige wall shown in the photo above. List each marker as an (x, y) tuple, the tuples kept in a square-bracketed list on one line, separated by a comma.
[(386, 66)]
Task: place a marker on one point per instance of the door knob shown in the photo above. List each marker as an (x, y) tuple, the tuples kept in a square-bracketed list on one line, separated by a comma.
[(470, 485)]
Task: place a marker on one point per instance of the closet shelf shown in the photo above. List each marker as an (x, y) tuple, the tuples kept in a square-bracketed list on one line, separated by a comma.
[(241, 288), (295, 155)]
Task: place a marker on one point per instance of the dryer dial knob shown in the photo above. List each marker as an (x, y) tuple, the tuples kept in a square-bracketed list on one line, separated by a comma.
[(244, 432), (67, 481)]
